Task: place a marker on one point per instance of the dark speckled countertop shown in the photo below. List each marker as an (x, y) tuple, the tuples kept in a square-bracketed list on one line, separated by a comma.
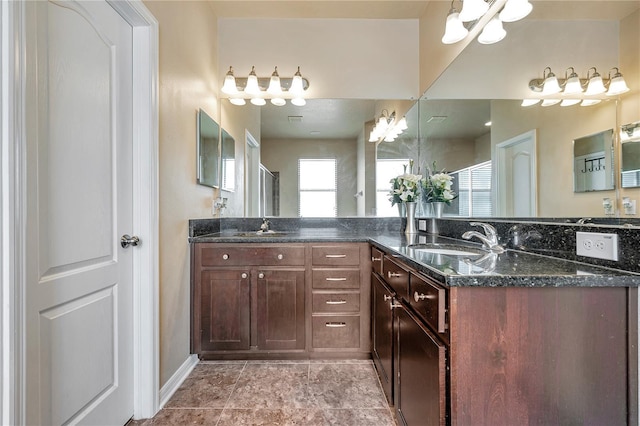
[(511, 268)]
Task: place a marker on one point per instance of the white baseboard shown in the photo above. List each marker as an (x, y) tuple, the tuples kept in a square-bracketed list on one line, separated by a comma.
[(176, 380)]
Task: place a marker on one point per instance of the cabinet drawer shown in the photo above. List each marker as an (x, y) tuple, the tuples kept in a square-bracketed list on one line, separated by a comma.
[(253, 255), (336, 278), (336, 302), (338, 255), (376, 260), (396, 276), (428, 299), (339, 332)]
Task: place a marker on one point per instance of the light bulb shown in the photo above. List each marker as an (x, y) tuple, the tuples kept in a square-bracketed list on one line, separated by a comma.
[(493, 32), (454, 29), (298, 101), (296, 89), (473, 9), (252, 87), (229, 87), (514, 10)]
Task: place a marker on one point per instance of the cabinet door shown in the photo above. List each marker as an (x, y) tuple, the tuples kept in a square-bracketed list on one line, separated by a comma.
[(382, 333), (420, 390), (281, 319), (225, 310)]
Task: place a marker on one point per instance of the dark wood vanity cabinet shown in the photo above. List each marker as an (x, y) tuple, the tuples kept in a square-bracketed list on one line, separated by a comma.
[(283, 300), (247, 298), (504, 355)]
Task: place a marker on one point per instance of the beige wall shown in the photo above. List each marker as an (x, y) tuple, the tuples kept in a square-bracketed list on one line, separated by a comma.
[(282, 156), (341, 57), (188, 81)]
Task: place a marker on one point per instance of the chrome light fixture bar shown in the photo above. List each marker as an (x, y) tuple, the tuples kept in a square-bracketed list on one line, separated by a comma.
[(387, 128), (260, 89), (573, 90)]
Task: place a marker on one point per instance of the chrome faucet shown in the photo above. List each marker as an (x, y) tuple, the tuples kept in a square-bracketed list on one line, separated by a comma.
[(583, 220), (265, 225), (489, 238)]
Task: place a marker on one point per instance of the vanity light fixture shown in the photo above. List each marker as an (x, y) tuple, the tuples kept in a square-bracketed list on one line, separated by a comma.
[(261, 89), (387, 128), (588, 91), (458, 24)]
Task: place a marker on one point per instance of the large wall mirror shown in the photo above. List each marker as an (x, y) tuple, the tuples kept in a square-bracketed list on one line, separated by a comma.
[(208, 150), (448, 124)]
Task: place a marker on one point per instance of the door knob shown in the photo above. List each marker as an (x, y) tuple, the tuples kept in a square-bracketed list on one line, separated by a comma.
[(127, 240)]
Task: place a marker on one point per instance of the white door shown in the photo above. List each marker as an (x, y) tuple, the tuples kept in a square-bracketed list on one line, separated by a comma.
[(78, 309), (516, 182)]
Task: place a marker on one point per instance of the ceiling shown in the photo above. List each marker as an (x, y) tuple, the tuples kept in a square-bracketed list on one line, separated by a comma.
[(343, 118)]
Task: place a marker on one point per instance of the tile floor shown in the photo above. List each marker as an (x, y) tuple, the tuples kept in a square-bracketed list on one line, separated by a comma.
[(308, 393)]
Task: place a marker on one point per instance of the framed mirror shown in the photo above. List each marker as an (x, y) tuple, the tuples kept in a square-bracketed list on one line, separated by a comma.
[(228, 162), (208, 151), (593, 162), (630, 160)]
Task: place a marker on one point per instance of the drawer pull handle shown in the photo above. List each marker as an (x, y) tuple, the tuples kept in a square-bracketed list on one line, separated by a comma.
[(335, 324), (376, 259), (419, 296), (244, 275), (280, 257), (335, 256), (225, 256), (335, 279), (387, 297), (260, 275), (393, 274), (335, 302)]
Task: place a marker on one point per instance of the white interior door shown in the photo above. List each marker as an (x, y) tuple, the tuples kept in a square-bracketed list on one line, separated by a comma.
[(79, 344), (516, 182)]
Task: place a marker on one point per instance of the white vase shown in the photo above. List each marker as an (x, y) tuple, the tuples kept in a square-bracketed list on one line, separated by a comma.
[(410, 227), (437, 207)]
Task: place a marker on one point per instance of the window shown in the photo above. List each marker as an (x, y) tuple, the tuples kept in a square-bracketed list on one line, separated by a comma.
[(317, 186), (473, 186), (385, 171)]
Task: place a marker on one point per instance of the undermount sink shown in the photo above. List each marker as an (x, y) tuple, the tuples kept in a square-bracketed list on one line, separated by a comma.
[(447, 249), (261, 234)]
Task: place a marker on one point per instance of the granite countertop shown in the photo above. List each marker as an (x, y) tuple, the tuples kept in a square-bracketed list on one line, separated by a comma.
[(511, 268)]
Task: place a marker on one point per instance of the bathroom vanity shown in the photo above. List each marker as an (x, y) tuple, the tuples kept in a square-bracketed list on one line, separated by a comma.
[(458, 335)]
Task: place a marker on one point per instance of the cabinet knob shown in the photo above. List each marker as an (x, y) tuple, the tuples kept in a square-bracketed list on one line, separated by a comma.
[(225, 256), (280, 257), (393, 274), (376, 259), (260, 275), (386, 297), (419, 296), (393, 304), (244, 275)]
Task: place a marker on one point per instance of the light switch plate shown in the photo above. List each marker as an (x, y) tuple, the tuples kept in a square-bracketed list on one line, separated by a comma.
[(597, 245), (422, 225)]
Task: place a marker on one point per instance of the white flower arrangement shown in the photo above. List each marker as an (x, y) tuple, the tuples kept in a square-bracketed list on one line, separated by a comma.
[(437, 187), (406, 187)]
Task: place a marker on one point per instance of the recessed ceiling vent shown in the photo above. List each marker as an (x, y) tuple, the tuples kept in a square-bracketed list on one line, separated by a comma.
[(436, 119), (295, 119)]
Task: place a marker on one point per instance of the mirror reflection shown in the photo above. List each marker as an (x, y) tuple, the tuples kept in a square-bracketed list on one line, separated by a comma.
[(228, 162), (593, 162), (207, 150), (630, 167)]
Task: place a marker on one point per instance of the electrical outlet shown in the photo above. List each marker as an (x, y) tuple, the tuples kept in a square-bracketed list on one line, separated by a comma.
[(597, 245), (422, 225)]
